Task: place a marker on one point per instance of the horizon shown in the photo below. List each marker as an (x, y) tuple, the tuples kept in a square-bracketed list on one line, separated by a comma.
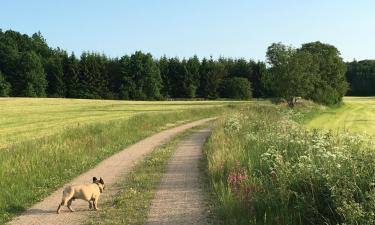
[(184, 29)]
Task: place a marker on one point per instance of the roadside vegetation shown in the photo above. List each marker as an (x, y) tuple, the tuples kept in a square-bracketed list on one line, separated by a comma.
[(30, 170), (265, 167), (131, 205)]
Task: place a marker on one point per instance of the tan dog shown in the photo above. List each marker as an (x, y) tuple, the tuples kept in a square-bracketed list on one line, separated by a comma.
[(87, 192)]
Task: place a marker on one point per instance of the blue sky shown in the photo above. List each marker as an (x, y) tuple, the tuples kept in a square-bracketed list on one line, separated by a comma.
[(202, 27)]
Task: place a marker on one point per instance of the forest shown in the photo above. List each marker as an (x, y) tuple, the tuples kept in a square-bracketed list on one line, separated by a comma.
[(30, 68)]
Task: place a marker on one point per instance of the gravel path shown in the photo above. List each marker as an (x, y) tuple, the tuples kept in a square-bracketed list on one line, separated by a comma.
[(180, 198), (111, 169)]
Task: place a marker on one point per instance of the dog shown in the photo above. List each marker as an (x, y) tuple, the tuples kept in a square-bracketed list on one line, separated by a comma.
[(87, 192)]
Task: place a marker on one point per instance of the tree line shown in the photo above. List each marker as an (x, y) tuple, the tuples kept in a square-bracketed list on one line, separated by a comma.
[(30, 68), (361, 77)]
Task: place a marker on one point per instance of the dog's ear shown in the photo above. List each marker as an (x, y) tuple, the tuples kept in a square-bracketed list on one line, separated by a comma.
[(94, 179), (101, 181)]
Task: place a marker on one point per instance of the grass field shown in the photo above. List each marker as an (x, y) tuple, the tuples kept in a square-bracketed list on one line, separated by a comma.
[(41, 139), (357, 114), (28, 118)]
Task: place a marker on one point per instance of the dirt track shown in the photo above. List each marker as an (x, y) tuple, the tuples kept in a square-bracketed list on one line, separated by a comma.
[(180, 198), (111, 170)]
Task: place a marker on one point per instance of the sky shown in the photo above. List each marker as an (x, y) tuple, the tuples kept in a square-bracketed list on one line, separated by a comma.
[(230, 28)]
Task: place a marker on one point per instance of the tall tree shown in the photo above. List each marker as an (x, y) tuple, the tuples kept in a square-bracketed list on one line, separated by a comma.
[(55, 74), (361, 77), (30, 79), (236, 88), (177, 76), (330, 83), (113, 70), (93, 77), (5, 87), (290, 72), (191, 82), (163, 64), (141, 77), (212, 74), (71, 76)]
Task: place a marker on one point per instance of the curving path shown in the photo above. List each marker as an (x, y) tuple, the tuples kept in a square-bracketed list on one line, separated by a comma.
[(180, 197), (111, 169)]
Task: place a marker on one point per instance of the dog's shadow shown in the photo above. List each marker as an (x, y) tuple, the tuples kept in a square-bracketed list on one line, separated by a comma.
[(40, 211)]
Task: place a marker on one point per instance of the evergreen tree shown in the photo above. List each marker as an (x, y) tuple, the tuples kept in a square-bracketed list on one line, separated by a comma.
[(55, 75), (93, 80), (163, 64), (236, 88), (71, 76), (30, 79), (140, 77), (5, 87)]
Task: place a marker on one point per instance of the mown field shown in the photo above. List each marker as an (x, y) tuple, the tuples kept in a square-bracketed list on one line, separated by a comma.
[(28, 118), (266, 167), (46, 142), (357, 114)]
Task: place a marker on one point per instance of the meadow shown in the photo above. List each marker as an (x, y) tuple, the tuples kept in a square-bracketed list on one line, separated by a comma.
[(356, 114), (266, 167), (23, 119), (47, 142)]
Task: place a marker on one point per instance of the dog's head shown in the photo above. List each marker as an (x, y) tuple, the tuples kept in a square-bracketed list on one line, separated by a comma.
[(100, 183)]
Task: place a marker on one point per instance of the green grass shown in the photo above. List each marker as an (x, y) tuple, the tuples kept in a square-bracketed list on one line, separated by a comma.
[(32, 168), (356, 114), (265, 167), (131, 205), (29, 118)]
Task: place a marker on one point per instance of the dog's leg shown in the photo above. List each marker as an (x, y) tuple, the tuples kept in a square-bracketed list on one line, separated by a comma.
[(69, 204), (90, 204), (61, 204), (96, 203)]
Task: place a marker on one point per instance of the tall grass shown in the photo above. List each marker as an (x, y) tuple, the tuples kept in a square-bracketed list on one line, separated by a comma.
[(266, 168), (32, 169)]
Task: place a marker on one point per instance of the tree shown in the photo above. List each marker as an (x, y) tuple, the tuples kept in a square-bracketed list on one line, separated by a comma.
[(361, 77), (177, 74), (5, 87), (330, 83), (212, 73), (93, 80), (290, 73), (55, 74), (192, 78), (140, 77), (71, 76), (236, 88), (113, 70), (30, 79), (163, 64), (259, 70)]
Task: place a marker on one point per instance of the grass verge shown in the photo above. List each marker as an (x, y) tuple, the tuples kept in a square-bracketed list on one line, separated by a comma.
[(266, 168), (31, 170), (132, 204)]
